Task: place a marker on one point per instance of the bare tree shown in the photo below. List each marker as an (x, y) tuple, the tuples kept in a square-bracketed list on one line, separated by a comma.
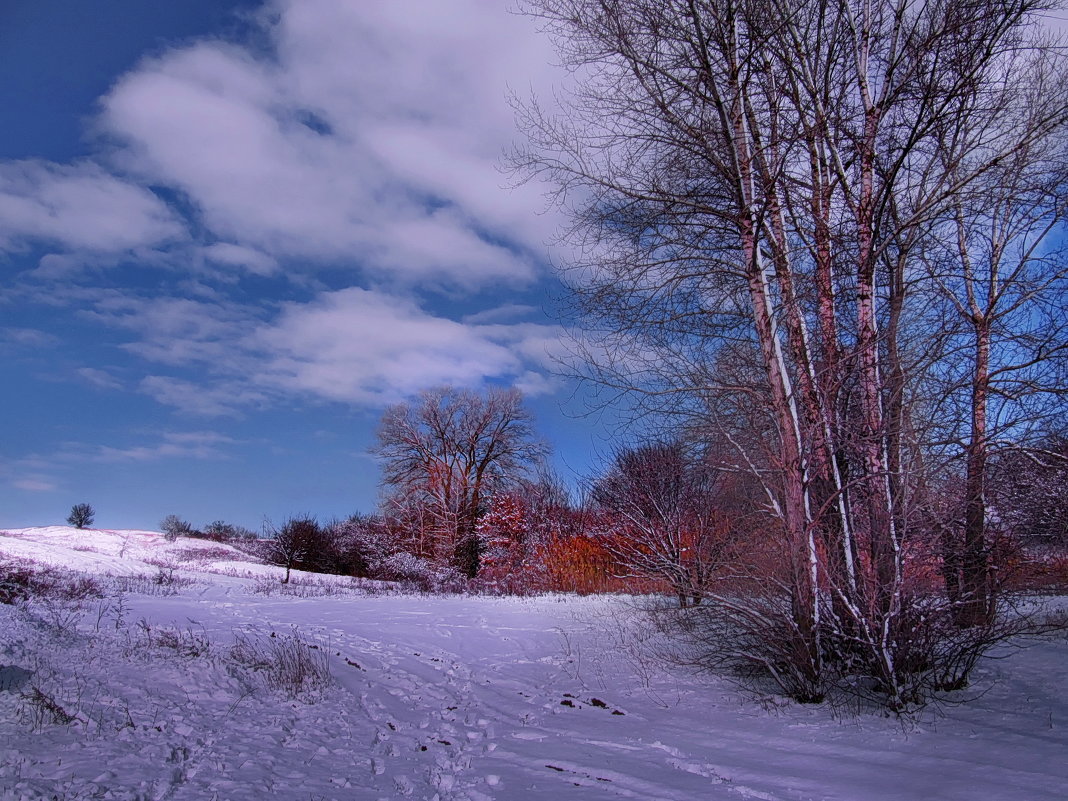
[(174, 527), (1029, 493), (762, 182), (443, 456), (1007, 288), (669, 526), (81, 515), (295, 544)]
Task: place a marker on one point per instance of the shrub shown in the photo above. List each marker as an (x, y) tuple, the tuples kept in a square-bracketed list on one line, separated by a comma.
[(174, 527), (186, 643), (20, 580), (221, 531), (315, 587), (206, 553), (41, 708), (300, 543), (358, 543), (286, 663), (581, 564), (81, 515), (164, 583), (421, 573)]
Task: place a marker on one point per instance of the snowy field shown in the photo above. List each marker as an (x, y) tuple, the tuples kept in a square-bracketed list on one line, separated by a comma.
[(142, 694)]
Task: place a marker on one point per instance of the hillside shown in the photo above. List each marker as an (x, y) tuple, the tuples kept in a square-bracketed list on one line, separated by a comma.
[(125, 553), (190, 672)]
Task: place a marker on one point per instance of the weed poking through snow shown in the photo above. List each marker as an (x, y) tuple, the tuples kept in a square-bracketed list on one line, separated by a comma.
[(286, 663)]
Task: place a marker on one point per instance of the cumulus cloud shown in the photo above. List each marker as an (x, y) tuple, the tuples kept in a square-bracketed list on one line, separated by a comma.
[(368, 347), (354, 146), (362, 134), (368, 133), (79, 207)]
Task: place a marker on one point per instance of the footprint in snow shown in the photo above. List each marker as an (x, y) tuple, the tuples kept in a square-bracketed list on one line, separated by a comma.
[(404, 785)]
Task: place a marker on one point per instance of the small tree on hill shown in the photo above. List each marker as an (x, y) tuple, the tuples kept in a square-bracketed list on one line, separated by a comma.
[(221, 531), (81, 515), (296, 544), (174, 527)]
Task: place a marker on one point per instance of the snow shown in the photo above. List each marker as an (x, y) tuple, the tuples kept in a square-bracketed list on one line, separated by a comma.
[(451, 697), (128, 553)]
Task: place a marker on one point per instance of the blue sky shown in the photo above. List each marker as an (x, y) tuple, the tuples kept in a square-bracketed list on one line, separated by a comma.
[(231, 233)]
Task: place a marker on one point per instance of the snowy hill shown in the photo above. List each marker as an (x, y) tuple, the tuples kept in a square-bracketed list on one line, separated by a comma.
[(127, 552), (223, 685)]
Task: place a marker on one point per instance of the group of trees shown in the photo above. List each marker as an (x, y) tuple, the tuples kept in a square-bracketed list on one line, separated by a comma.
[(174, 527), (817, 234), (467, 504), (443, 457)]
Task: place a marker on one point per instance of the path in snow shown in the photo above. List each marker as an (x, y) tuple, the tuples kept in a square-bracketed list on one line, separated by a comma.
[(514, 698)]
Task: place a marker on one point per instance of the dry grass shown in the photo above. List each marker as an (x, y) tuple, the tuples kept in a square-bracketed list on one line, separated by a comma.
[(284, 662)]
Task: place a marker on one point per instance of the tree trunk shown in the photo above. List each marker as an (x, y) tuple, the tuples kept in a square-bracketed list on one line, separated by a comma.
[(975, 573)]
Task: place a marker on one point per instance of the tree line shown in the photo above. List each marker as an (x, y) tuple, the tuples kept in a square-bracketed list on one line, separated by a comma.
[(468, 504)]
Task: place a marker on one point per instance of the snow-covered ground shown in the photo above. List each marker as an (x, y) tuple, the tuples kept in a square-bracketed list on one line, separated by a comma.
[(141, 695), (126, 553)]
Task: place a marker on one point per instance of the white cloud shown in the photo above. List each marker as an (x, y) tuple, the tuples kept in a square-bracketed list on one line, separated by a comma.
[(177, 331), (366, 347), (362, 134), (208, 397), (79, 207), (362, 139), (370, 136), (356, 346), (230, 255), (28, 338), (509, 311), (101, 379), (34, 484), (186, 445)]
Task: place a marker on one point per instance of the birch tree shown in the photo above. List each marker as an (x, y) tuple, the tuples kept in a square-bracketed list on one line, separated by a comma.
[(769, 177), (1007, 288)]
